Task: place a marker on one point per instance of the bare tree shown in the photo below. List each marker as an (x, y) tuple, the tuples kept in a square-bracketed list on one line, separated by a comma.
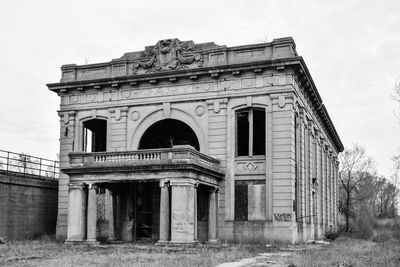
[(356, 167), (396, 97)]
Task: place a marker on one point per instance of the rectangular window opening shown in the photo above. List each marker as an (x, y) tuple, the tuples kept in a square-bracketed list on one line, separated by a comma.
[(242, 133), (250, 132), (95, 135), (258, 132)]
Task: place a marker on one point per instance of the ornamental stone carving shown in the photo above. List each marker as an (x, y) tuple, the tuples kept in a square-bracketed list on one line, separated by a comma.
[(135, 115), (169, 54), (200, 110)]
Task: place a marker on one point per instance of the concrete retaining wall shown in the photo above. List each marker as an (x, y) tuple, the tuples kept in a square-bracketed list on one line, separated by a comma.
[(28, 206)]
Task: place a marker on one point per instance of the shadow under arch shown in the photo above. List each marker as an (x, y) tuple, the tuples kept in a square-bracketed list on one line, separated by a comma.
[(176, 115), (167, 133)]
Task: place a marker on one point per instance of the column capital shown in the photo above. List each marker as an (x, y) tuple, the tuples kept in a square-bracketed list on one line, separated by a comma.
[(76, 186), (164, 183), (91, 186), (213, 189), (67, 117), (184, 182)]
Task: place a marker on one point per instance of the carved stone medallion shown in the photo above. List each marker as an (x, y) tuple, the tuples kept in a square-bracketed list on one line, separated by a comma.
[(135, 115), (200, 110)]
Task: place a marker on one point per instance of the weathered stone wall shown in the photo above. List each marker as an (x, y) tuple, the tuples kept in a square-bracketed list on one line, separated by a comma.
[(28, 206), (292, 188)]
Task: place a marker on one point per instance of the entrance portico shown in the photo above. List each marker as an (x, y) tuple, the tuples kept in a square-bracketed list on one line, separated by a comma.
[(171, 176)]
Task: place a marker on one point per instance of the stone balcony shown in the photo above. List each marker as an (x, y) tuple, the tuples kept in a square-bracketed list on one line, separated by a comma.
[(146, 164)]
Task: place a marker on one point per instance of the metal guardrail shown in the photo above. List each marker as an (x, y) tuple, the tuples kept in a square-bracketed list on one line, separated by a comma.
[(27, 165)]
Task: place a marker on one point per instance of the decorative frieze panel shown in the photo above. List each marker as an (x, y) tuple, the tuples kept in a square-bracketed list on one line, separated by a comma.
[(127, 93), (249, 167)]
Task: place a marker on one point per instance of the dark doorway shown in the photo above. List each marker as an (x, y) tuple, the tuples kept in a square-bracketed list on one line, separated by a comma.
[(203, 199), (167, 133), (147, 210)]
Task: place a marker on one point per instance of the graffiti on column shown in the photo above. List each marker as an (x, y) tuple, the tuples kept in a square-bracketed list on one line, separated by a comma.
[(283, 217)]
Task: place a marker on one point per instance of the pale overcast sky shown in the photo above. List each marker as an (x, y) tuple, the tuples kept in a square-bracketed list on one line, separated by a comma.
[(352, 49)]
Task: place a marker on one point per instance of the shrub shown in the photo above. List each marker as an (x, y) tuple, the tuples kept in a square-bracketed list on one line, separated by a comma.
[(363, 227), (331, 235), (396, 229)]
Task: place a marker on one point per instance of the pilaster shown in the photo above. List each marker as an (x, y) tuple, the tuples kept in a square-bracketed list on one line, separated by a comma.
[(118, 131), (76, 231), (67, 130), (212, 216), (164, 212), (110, 214), (91, 214), (183, 211)]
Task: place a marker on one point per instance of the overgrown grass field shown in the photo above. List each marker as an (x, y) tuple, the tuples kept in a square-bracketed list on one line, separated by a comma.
[(344, 251), (52, 253)]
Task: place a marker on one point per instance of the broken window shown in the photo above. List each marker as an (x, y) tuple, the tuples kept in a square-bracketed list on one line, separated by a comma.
[(95, 135), (250, 132), (249, 200)]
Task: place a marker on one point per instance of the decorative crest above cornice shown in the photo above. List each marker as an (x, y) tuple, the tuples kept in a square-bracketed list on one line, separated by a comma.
[(168, 54)]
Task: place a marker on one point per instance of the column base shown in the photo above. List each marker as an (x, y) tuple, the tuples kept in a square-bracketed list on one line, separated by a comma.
[(74, 241), (113, 241), (162, 243), (213, 241), (92, 242), (183, 243)]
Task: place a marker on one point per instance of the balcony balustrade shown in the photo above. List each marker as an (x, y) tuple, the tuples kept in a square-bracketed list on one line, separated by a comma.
[(164, 156)]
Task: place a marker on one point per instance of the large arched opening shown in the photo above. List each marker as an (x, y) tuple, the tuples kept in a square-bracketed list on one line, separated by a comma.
[(168, 133)]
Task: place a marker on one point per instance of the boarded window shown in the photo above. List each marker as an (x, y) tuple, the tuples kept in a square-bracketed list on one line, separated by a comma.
[(241, 205), (250, 132), (249, 200), (95, 135)]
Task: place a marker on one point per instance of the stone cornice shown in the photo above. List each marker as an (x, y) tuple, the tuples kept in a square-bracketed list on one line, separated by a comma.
[(177, 167), (173, 75), (170, 60)]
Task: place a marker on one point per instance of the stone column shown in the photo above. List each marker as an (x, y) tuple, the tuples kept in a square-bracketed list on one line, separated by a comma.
[(183, 211), (328, 191), (337, 191), (212, 216), (110, 214), (91, 214), (301, 221), (76, 213), (322, 187), (311, 175), (332, 193), (164, 212), (127, 220), (317, 189)]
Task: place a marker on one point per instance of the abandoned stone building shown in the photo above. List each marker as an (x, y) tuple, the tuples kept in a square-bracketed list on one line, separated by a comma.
[(184, 143)]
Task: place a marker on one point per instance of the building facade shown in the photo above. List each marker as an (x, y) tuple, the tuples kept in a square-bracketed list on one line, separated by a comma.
[(186, 142)]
